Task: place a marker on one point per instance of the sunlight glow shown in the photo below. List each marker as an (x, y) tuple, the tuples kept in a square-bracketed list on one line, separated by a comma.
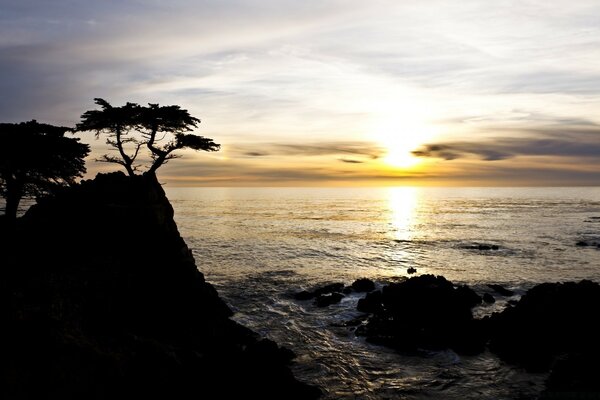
[(403, 202), (401, 134)]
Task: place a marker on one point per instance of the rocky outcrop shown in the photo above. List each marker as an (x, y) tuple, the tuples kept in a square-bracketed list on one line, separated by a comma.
[(551, 320), (101, 298), (423, 312)]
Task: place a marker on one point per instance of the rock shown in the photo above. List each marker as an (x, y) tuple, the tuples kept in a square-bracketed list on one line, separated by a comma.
[(363, 285), (551, 319), (347, 290), (485, 247), (371, 303), (324, 300), (574, 376), (501, 290), (488, 298), (331, 288), (411, 270), (101, 298), (423, 312), (482, 247), (304, 295), (581, 243), (467, 296)]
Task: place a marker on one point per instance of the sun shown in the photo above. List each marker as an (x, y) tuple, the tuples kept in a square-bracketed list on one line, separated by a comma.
[(400, 137)]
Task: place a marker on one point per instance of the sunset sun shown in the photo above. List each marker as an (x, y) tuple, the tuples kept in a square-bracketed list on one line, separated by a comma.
[(400, 137)]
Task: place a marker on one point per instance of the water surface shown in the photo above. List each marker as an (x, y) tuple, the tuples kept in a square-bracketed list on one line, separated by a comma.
[(258, 246)]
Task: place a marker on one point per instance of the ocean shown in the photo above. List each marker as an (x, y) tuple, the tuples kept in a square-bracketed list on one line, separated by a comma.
[(259, 246)]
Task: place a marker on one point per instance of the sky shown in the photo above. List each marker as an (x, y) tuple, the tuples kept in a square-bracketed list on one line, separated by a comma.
[(321, 93)]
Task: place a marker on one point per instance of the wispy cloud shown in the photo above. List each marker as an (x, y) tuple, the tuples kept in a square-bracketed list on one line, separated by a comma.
[(367, 150), (560, 141)]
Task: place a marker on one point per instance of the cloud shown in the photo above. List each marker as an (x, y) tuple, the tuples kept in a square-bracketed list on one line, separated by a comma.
[(350, 161), (558, 141), (368, 150)]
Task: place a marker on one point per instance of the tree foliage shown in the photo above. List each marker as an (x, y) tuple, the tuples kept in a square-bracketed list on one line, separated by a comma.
[(161, 129), (35, 159)]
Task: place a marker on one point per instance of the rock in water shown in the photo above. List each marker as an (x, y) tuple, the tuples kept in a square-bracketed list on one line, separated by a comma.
[(550, 320), (363, 285), (423, 312), (488, 298), (101, 298), (501, 290)]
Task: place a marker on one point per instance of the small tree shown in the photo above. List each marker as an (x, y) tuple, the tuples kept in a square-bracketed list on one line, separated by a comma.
[(35, 159), (116, 122), (153, 124)]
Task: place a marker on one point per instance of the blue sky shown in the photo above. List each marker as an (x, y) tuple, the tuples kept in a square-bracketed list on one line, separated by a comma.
[(327, 92)]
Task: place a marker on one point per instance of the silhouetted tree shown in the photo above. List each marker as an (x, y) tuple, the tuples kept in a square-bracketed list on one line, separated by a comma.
[(153, 123), (36, 159), (116, 122)]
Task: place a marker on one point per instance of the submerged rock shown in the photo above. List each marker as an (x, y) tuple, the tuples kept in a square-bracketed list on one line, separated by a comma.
[(100, 298)]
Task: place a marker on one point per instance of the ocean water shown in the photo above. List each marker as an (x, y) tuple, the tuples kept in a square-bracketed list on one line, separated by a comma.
[(259, 246)]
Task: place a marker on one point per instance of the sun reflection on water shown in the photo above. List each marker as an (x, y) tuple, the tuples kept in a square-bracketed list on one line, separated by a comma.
[(403, 203)]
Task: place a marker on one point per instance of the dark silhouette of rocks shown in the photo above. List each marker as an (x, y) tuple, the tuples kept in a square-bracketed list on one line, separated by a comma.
[(101, 298), (363, 285), (553, 327), (411, 270), (501, 290), (483, 247), (324, 300), (574, 376), (550, 320), (581, 243), (423, 312), (488, 298)]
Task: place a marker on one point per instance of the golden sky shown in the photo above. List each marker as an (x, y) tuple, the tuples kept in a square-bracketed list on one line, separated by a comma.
[(327, 92)]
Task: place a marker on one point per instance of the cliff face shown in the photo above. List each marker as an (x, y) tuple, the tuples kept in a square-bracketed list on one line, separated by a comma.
[(101, 298)]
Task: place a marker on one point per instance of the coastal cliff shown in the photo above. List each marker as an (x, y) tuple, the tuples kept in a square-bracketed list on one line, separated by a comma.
[(101, 298)]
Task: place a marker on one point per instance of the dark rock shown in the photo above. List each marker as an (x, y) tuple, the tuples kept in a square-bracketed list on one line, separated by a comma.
[(574, 376), (488, 298), (501, 290), (483, 247), (332, 288), (581, 243), (101, 298), (356, 321), (371, 303), (411, 270), (268, 349), (304, 295), (551, 319), (363, 285), (467, 296), (486, 247), (324, 300), (347, 290), (423, 312)]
